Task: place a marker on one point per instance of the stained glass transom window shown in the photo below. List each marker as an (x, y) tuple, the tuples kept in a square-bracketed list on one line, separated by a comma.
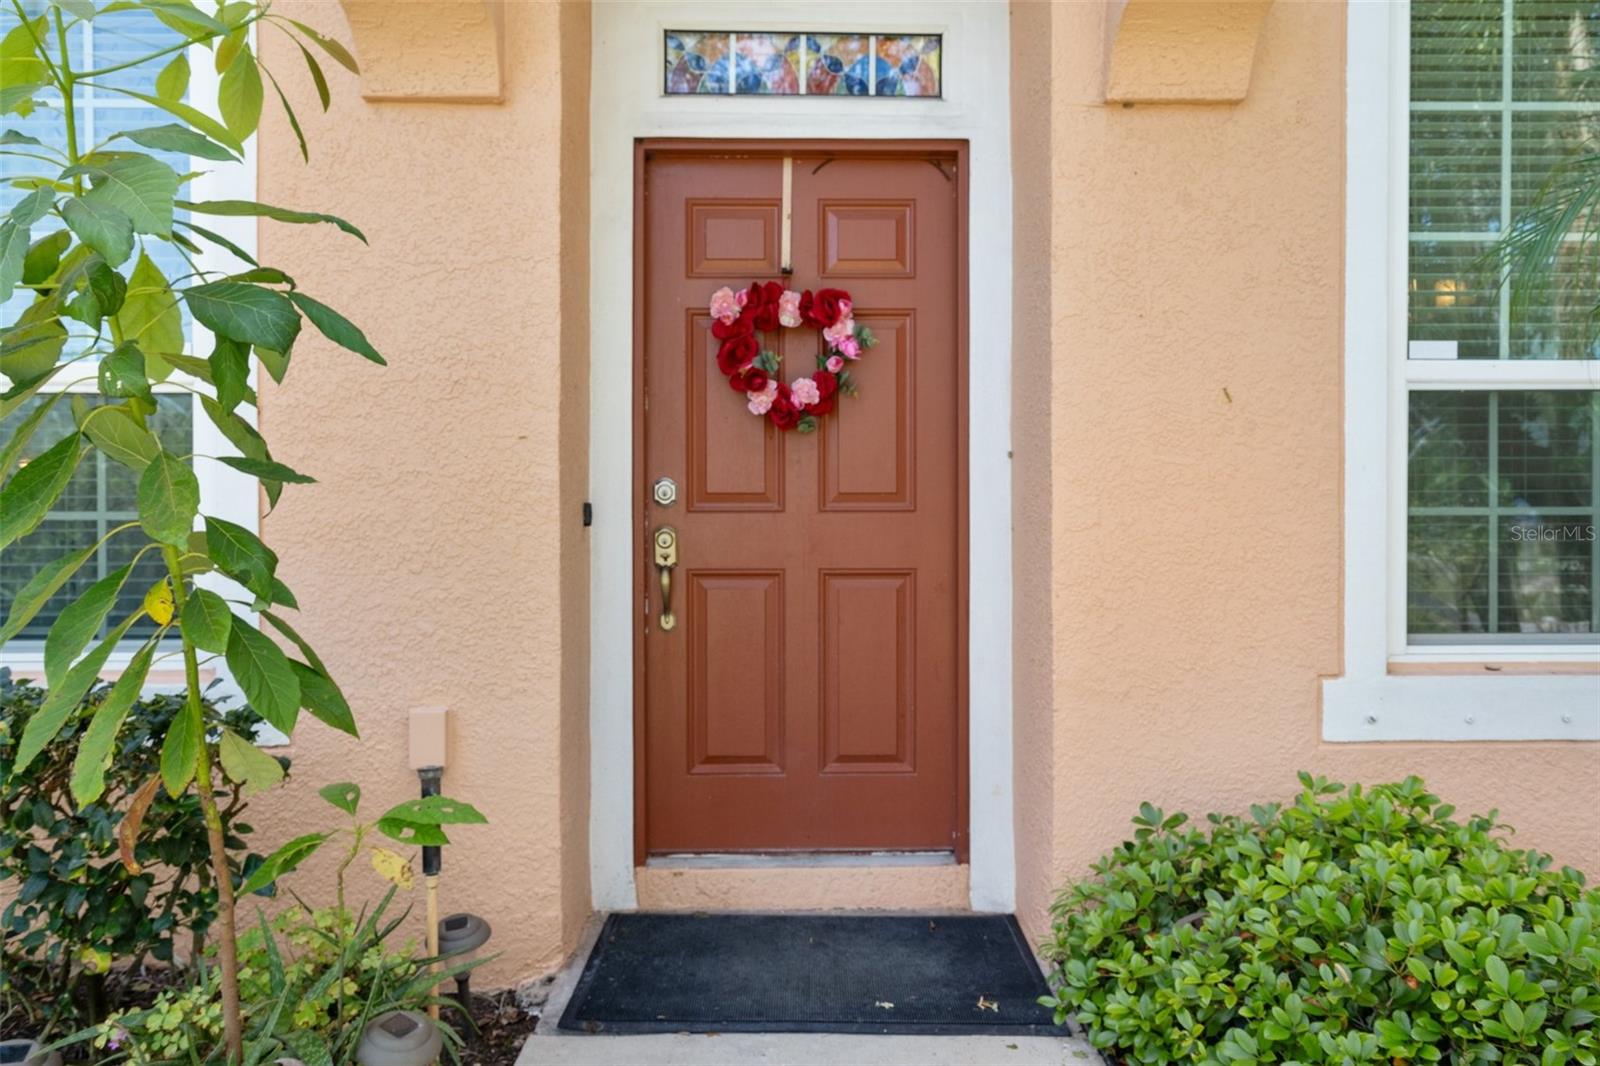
[(789, 63)]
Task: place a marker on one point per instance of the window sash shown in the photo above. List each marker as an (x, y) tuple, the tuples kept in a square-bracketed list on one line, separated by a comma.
[(1405, 374)]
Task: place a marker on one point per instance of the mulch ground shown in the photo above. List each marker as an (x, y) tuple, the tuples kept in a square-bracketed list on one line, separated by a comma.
[(502, 1026)]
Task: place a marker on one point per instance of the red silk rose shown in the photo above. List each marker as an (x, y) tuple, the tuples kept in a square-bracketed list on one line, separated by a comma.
[(761, 306), (824, 309), (737, 353), (755, 380), (737, 328), (827, 393), (783, 413)]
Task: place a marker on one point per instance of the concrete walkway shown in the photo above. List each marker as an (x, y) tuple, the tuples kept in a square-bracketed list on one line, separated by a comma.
[(550, 1046)]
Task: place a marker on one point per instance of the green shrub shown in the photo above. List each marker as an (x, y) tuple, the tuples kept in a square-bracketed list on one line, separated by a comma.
[(78, 909), (309, 982), (1353, 925)]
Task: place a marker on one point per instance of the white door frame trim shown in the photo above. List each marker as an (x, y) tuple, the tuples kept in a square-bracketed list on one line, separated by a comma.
[(627, 103)]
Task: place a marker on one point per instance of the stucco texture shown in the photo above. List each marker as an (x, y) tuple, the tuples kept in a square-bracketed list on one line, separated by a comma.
[(440, 559), (1193, 465)]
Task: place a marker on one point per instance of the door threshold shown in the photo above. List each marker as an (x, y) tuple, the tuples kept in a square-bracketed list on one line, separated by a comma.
[(749, 860)]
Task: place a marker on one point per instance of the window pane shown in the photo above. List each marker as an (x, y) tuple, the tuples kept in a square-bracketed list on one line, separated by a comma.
[(1503, 92), (1455, 171), (908, 65), (697, 62), (837, 64), (767, 63), (1455, 50), (1453, 297), (101, 496), (1502, 485)]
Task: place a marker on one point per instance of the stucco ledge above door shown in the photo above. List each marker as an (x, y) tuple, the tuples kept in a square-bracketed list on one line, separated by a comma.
[(461, 63)]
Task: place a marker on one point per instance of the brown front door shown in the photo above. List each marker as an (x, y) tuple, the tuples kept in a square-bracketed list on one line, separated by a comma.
[(809, 696)]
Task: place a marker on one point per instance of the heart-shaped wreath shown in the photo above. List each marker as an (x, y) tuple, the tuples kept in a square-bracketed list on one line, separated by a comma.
[(739, 316)]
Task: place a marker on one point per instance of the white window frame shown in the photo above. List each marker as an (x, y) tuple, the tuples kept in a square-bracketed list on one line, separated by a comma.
[(224, 491), (1392, 690)]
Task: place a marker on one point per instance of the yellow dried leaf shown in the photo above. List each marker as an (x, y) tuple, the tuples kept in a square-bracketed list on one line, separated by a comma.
[(392, 867), (158, 602)]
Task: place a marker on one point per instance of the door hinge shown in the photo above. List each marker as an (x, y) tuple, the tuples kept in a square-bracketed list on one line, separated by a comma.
[(588, 514)]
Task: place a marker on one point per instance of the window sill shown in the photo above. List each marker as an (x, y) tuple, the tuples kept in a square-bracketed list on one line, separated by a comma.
[(1504, 706)]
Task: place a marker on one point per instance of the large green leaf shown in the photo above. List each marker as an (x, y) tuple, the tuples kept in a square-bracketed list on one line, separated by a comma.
[(150, 316), (118, 434), (122, 373), (264, 673), (78, 622), (345, 795), (282, 861), (175, 138), (28, 496), (44, 256), (237, 208), (247, 764), (169, 499), (193, 116), (239, 95), (140, 186), (64, 698), (330, 46), (11, 451), (336, 327), (287, 630), (229, 365), (317, 77), (173, 81), (101, 226), (320, 696), (18, 55), (245, 312), (45, 583), (179, 753), (207, 621), (13, 250), (99, 740), (240, 554), (34, 206), (267, 470), (31, 347)]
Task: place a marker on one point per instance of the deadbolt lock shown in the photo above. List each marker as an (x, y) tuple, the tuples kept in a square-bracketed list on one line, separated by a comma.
[(665, 491)]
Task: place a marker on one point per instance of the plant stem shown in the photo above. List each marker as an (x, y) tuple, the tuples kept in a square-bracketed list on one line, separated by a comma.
[(227, 945), (68, 106)]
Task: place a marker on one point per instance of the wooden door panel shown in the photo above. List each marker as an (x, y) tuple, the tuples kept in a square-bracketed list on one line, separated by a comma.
[(869, 695), (733, 465), (735, 702), (732, 236), (869, 458), (808, 697)]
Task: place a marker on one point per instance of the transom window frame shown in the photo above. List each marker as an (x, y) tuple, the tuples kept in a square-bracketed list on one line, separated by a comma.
[(224, 492), (1390, 688)]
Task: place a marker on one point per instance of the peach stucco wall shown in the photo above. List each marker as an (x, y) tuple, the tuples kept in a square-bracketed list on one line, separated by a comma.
[(1193, 461), (1177, 439), (440, 559)]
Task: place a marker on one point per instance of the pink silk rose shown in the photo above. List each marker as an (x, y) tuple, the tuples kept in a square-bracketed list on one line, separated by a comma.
[(761, 402), (725, 305), (789, 309), (804, 391), (835, 363)]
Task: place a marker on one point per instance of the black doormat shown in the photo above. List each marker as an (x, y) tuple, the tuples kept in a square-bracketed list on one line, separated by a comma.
[(764, 973)]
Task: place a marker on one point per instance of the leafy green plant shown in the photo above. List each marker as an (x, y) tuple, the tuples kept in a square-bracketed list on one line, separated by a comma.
[(310, 982), (1352, 925), (88, 895), (93, 318)]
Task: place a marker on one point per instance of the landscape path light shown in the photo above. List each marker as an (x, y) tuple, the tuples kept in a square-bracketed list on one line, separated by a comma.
[(400, 1038), (27, 1053), (461, 939)]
